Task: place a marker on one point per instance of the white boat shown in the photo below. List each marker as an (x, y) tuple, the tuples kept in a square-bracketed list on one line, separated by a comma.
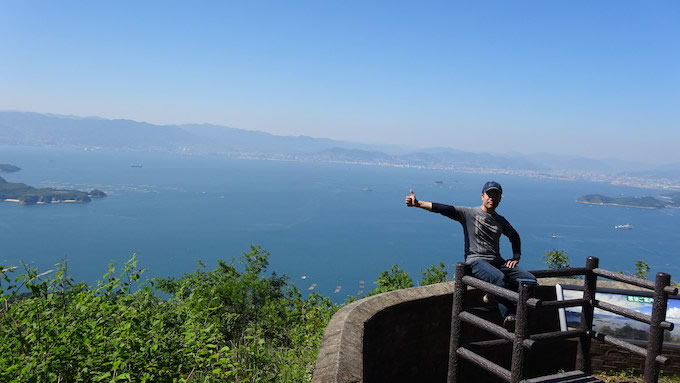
[(623, 227)]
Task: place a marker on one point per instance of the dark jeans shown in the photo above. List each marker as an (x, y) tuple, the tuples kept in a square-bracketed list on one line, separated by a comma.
[(501, 276)]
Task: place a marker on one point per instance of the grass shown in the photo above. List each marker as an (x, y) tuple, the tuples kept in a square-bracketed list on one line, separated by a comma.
[(629, 376)]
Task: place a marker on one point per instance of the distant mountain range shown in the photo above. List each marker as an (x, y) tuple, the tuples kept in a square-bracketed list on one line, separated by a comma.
[(34, 129), (91, 133)]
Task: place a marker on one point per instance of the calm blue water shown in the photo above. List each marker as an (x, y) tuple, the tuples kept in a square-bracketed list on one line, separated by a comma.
[(315, 219)]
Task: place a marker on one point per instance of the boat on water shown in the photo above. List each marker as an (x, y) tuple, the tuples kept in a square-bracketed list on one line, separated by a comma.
[(361, 288), (337, 289), (312, 287), (553, 236), (623, 227), (136, 166)]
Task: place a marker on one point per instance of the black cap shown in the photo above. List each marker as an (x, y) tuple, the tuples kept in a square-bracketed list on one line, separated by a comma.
[(492, 185)]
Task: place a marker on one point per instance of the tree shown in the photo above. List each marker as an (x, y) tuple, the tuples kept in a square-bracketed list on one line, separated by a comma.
[(434, 274), (393, 279), (556, 259), (641, 269)]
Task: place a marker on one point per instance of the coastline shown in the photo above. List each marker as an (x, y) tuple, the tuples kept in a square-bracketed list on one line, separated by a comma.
[(618, 204), (42, 202), (559, 175), (652, 183)]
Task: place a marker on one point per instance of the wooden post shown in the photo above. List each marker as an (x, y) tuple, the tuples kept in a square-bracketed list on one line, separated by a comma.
[(586, 325), (454, 340), (521, 333), (655, 342)]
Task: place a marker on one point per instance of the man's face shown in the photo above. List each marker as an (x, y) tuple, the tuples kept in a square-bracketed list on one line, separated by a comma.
[(491, 198)]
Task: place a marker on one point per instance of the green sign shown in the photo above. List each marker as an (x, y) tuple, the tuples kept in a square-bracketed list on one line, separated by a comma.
[(633, 298)]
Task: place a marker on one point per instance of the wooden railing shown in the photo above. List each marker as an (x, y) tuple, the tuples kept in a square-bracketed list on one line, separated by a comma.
[(522, 341)]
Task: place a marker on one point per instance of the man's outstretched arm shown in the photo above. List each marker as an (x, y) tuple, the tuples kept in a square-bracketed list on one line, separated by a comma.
[(412, 201)]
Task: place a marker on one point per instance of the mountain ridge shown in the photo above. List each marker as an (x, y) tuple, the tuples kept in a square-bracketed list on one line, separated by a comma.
[(92, 133)]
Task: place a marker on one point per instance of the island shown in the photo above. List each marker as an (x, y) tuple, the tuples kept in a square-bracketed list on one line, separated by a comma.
[(640, 202), (28, 195), (7, 168)]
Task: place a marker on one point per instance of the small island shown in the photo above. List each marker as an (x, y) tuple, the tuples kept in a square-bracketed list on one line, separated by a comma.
[(639, 202), (7, 168), (28, 195)]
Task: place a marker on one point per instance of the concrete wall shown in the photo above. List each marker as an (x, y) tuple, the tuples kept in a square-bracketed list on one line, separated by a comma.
[(341, 356), (403, 336)]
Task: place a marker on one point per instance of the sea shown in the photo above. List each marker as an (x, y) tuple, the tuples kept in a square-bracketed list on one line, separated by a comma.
[(324, 224)]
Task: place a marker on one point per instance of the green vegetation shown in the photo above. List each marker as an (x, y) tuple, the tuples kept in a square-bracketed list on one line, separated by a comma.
[(7, 168), (96, 193), (393, 279), (641, 269), (632, 376), (229, 324), (666, 200), (397, 279), (234, 323), (29, 195), (556, 259), (434, 274), (646, 202)]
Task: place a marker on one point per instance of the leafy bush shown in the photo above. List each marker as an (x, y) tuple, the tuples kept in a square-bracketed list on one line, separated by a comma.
[(232, 323), (556, 259), (434, 274), (641, 269), (229, 324), (393, 279)]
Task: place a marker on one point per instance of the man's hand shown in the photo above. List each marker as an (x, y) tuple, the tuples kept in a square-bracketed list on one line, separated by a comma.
[(411, 200), (511, 263)]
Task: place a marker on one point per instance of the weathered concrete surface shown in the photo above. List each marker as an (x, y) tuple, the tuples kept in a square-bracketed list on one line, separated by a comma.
[(341, 354)]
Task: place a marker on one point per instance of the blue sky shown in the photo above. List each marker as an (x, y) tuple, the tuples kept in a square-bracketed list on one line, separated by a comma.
[(599, 79)]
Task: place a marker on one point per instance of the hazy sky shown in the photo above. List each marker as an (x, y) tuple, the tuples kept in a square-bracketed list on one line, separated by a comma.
[(594, 78)]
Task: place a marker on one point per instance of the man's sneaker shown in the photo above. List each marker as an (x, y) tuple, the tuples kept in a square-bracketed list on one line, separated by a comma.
[(509, 323), (488, 298)]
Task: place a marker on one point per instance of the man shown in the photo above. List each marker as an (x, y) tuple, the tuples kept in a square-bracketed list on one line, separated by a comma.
[(483, 228)]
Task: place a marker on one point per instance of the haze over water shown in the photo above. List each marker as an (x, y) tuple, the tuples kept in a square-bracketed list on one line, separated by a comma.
[(335, 223)]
